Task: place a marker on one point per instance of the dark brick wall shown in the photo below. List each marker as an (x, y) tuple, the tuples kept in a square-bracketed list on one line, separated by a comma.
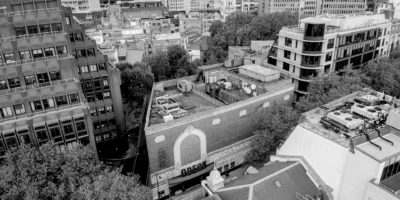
[(232, 128)]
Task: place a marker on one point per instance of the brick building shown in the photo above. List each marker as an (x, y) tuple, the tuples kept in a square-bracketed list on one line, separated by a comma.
[(196, 123), (55, 85)]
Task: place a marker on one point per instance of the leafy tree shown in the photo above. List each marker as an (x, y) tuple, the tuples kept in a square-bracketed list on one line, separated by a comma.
[(136, 80), (273, 125), (383, 75), (44, 173), (160, 67), (326, 89)]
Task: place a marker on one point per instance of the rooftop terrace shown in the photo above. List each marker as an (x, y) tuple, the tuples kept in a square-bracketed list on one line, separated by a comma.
[(358, 121)]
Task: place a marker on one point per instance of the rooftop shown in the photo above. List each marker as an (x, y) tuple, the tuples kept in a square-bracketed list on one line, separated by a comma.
[(359, 121), (214, 87), (276, 180)]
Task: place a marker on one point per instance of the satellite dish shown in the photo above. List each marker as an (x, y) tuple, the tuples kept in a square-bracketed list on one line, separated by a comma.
[(252, 86)]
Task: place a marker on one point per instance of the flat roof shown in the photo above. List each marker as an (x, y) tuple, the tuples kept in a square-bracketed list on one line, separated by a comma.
[(259, 69), (388, 150)]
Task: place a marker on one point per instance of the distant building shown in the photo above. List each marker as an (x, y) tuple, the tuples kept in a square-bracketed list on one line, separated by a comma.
[(394, 41), (313, 7), (329, 44), (372, 5), (249, 6), (179, 6), (253, 54), (82, 6), (196, 123), (353, 144)]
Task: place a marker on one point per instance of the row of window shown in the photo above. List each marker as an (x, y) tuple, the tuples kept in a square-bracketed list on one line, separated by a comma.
[(84, 53), (95, 84), (92, 68), (101, 110), (98, 96), (39, 105), (42, 79), (36, 29), (106, 136), (58, 132), (104, 123), (34, 54)]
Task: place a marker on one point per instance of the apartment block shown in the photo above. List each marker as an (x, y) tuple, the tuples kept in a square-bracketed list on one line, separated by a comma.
[(313, 7), (52, 75), (82, 6), (179, 5), (329, 44)]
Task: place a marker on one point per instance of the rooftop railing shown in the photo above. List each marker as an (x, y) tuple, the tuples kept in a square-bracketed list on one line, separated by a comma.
[(329, 30)]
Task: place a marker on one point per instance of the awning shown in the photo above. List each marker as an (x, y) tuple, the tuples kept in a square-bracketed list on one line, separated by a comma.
[(46, 93), (17, 98), (43, 18), (8, 127), (180, 179), (78, 113), (51, 119), (2, 74), (91, 60), (72, 88), (82, 61), (4, 21), (30, 19), (40, 67), (23, 44), (22, 125), (5, 101), (6, 47), (60, 39), (55, 17), (18, 21), (100, 58), (64, 116), (59, 90), (27, 69), (36, 43), (11, 72), (48, 40), (33, 95), (38, 121), (53, 66)]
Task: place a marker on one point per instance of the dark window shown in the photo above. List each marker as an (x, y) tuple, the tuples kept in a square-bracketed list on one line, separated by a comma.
[(11, 140), (42, 135), (48, 103), (56, 27), (44, 28), (328, 56), (331, 43), (55, 132), (30, 80), (315, 30), (90, 97), (36, 105), (24, 137), (61, 50), (327, 68), (288, 42), (286, 54), (20, 31), (73, 98), (43, 78), (112, 122), (3, 85), (71, 37), (286, 66), (14, 82), (54, 76), (99, 95), (312, 46), (90, 52), (49, 52), (272, 61), (80, 126), (78, 37), (61, 101), (33, 29), (101, 66)]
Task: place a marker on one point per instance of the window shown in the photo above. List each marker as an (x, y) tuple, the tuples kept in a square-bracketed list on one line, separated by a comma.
[(37, 53), (55, 76), (288, 42), (73, 98), (328, 56), (3, 85), (327, 68), (68, 20), (55, 133), (61, 101), (71, 37), (101, 110), (84, 69), (43, 78), (286, 66), (287, 54), (44, 28), (109, 108), (93, 68), (25, 55), (24, 137), (80, 126), (96, 84), (111, 122), (90, 52), (6, 112), (101, 66), (330, 43), (48, 103), (107, 95), (105, 83), (93, 112), (9, 58), (33, 30), (11, 140), (49, 52), (42, 135), (30, 80), (99, 95), (56, 27), (14, 82), (20, 31), (78, 37), (19, 109), (36, 105), (61, 50)]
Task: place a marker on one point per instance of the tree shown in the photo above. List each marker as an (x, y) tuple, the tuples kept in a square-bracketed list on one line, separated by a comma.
[(272, 126), (326, 89), (136, 81), (160, 67), (44, 173)]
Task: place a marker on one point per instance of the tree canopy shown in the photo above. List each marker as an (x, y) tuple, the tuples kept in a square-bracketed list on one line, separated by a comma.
[(44, 173), (240, 28)]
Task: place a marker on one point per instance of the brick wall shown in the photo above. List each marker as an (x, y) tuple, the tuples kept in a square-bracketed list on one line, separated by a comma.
[(232, 127)]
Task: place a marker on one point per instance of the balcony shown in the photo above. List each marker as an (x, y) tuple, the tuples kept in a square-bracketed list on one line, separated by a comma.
[(311, 61)]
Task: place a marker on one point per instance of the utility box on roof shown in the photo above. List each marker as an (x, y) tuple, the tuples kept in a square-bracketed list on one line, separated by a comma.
[(258, 72), (185, 86)]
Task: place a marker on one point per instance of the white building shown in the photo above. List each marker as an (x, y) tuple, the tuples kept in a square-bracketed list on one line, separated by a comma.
[(179, 5), (82, 6), (356, 162)]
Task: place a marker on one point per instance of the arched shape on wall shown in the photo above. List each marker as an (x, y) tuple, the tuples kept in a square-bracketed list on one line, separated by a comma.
[(189, 130)]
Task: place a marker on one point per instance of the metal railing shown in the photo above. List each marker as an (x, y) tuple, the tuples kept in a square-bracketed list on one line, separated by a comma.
[(36, 86)]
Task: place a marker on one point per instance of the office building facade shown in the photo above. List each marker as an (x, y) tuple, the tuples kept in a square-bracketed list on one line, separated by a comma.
[(329, 44)]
